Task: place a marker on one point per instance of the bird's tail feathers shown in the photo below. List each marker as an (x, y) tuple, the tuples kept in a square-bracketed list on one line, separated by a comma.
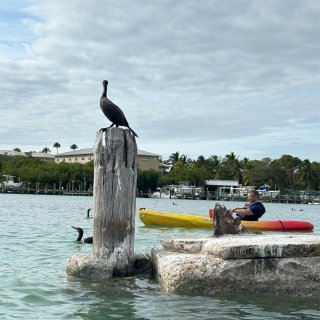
[(133, 132)]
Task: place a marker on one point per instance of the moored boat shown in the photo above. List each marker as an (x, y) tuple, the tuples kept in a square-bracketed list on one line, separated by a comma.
[(166, 219), (9, 184), (265, 191), (159, 194)]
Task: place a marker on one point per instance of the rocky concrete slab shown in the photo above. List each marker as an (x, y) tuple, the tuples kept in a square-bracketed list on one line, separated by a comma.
[(264, 246), (184, 245), (203, 273), (248, 246)]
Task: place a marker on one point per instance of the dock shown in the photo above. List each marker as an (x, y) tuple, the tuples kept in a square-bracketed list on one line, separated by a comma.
[(281, 198)]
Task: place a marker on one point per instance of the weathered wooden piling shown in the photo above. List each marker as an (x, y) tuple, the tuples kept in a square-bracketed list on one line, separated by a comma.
[(114, 192), (224, 223)]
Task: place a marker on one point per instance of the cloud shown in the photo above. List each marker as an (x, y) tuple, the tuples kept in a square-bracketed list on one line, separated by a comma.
[(199, 77)]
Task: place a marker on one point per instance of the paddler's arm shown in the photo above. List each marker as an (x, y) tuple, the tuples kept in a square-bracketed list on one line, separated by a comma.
[(242, 212)]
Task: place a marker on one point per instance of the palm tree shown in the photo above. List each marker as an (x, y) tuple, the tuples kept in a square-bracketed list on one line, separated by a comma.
[(46, 150), (174, 158), (231, 167), (305, 174), (290, 165), (57, 146), (185, 160), (201, 161), (73, 147), (212, 165)]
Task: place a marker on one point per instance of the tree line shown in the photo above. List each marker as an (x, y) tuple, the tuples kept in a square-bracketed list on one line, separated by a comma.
[(287, 173), (38, 173)]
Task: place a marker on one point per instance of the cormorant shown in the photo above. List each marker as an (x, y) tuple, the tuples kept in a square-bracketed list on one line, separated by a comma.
[(80, 231), (88, 213), (112, 111)]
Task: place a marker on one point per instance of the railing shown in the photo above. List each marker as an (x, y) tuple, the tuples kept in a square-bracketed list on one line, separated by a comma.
[(49, 191), (280, 198)]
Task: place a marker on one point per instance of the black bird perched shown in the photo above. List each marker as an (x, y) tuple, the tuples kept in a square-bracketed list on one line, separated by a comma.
[(80, 232), (112, 111)]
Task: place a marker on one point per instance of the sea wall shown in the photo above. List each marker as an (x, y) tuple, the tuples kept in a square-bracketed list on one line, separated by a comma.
[(254, 263)]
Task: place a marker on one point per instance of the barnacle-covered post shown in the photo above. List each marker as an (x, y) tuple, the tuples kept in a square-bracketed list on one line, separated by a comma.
[(115, 181), (224, 223)]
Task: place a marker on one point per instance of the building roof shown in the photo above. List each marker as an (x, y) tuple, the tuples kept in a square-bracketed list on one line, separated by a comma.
[(77, 152), (146, 153), (89, 151), (42, 155), (233, 183), (32, 153), (11, 153)]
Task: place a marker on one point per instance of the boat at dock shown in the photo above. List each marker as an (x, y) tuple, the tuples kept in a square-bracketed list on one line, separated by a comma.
[(163, 193), (173, 220), (265, 191), (187, 192), (182, 191), (9, 184), (242, 191)]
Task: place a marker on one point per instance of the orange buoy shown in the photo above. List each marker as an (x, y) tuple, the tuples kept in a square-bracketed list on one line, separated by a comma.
[(211, 213)]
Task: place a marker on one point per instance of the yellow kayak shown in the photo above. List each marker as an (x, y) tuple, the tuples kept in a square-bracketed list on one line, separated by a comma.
[(166, 219)]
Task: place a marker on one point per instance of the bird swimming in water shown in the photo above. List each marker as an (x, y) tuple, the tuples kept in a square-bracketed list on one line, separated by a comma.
[(112, 111), (88, 213), (80, 232)]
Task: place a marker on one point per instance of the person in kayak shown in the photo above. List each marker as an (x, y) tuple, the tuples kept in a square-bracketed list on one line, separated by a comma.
[(253, 210)]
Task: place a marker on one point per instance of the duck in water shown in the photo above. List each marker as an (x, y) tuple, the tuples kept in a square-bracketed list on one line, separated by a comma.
[(80, 232)]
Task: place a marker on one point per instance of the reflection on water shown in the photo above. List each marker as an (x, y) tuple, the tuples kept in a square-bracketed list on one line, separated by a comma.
[(136, 298), (36, 240)]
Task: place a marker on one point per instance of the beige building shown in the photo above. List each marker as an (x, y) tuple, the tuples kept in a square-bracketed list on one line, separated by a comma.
[(146, 160), (80, 156)]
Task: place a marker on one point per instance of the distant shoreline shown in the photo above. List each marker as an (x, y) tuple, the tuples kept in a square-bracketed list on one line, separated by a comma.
[(293, 199)]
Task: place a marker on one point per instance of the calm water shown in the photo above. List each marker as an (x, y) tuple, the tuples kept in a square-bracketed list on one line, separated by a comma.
[(36, 239)]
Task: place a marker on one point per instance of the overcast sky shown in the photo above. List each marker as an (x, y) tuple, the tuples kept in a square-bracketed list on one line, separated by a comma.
[(203, 77)]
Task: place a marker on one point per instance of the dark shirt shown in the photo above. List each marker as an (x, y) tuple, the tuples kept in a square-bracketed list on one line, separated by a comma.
[(258, 210)]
